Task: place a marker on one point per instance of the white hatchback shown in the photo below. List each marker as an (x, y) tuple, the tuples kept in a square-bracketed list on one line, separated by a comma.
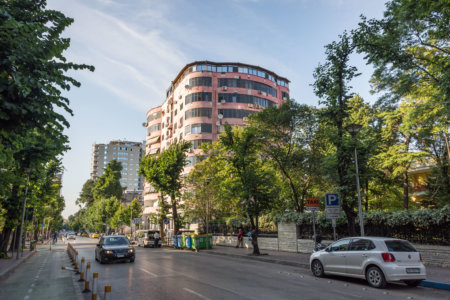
[(378, 260)]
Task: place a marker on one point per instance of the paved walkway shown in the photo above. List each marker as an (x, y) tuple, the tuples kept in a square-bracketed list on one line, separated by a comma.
[(301, 260)]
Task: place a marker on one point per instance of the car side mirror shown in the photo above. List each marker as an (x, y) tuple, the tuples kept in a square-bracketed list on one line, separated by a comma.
[(328, 249)]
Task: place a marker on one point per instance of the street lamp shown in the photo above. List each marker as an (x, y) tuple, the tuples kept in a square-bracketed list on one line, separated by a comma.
[(207, 181), (28, 171), (353, 129)]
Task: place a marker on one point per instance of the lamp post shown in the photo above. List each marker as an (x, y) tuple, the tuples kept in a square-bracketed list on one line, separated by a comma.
[(353, 129), (28, 171), (207, 181)]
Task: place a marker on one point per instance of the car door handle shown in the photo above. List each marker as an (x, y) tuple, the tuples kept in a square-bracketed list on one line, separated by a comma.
[(342, 255), (364, 255)]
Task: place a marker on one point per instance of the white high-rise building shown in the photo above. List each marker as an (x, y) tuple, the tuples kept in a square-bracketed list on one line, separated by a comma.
[(128, 153)]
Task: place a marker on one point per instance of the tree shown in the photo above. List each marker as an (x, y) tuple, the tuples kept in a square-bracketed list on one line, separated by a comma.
[(408, 48), (285, 135), (164, 173), (215, 172), (108, 185), (255, 181), (332, 87), (86, 194), (32, 75)]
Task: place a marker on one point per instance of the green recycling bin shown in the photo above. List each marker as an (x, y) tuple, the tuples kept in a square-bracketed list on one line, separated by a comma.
[(200, 241)]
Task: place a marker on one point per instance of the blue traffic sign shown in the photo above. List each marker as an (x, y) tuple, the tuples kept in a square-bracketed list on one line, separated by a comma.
[(331, 200), (166, 221)]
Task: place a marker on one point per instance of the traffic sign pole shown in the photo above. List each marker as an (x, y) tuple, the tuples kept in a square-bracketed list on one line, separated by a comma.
[(333, 223), (314, 224)]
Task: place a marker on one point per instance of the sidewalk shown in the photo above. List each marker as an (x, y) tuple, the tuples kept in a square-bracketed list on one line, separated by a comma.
[(301, 260), (9, 264)]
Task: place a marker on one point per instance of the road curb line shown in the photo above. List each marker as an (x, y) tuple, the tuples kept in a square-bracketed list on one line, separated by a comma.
[(435, 285)]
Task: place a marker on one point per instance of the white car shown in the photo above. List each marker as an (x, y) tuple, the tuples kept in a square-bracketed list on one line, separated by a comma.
[(379, 260)]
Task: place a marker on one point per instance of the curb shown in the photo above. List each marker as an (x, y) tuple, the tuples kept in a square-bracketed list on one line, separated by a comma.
[(259, 258), (6, 272), (435, 285)]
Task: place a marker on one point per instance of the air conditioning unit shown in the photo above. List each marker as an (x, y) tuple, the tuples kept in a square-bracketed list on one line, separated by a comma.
[(285, 98), (264, 93), (250, 105), (237, 77), (187, 86), (218, 123), (224, 88), (223, 101), (245, 119), (191, 150), (248, 76), (259, 92)]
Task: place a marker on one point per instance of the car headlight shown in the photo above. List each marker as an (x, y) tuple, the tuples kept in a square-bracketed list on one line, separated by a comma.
[(130, 250), (108, 252)]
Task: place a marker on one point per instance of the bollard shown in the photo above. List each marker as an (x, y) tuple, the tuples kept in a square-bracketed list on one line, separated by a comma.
[(81, 270), (86, 282), (107, 292), (94, 286)]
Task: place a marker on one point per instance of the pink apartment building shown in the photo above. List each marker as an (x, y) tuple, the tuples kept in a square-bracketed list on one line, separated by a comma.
[(201, 99)]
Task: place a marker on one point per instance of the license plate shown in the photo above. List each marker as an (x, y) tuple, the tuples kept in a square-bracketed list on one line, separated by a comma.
[(412, 270), (120, 255)]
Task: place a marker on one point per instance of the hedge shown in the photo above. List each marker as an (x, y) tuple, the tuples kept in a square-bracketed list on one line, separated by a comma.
[(426, 226)]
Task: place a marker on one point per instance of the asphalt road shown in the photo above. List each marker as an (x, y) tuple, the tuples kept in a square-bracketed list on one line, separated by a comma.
[(177, 274)]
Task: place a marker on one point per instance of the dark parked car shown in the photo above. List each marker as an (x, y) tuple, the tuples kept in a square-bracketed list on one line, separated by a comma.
[(115, 247)]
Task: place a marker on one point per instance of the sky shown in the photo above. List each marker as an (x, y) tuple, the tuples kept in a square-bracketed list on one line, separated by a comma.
[(138, 47)]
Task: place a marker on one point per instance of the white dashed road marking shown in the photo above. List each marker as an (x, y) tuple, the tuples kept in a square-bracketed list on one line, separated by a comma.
[(195, 293)]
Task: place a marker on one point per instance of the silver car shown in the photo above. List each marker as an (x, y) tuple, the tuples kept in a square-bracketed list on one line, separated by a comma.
[(378, 260)]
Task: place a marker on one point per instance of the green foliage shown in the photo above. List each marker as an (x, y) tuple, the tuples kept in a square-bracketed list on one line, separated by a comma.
[(286, 136), (164, 173), (414, 225), (108, 184), (86, 194)]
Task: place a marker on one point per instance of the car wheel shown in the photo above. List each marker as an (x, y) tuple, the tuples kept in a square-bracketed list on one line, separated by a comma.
[(375, 278), (413, 282), (131, 260), (317, 268)]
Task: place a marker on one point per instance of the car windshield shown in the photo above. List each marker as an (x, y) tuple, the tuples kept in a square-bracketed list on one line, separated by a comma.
[(400, 246), (116, 240)]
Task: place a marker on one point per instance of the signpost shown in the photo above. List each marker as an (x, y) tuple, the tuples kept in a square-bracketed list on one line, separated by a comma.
[(333, 209), (313, 204)]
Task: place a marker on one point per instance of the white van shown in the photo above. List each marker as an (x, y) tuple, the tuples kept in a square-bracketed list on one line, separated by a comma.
[(146, 238)]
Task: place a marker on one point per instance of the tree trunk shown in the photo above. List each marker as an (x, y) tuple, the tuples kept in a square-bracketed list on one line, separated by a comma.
[(366, 192), (255, 238), (405, 190), (4, 239), (350, 214), (176, 226)]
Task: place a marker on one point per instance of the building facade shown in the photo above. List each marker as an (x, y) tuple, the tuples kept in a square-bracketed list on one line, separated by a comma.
[(128, 153), (201, 99)]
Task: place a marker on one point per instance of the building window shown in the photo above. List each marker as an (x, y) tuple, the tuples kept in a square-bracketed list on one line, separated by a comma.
[(198, 128), (153, 128), (196, 143), (242, 98), (204, 96), (247, 84), (154, 116), (235, 113), (200, 81), (198, 112), (192, 160)]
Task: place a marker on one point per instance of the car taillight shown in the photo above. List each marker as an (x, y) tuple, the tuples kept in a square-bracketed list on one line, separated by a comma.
[(420, 255), (388, 257), (145, 239)]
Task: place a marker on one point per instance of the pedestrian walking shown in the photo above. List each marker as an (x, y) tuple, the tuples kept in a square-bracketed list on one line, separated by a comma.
[(240, 239), (156, 239), (55, 238)]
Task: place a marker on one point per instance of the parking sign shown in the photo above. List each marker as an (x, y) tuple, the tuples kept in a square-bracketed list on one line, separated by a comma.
[(332, 206)]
